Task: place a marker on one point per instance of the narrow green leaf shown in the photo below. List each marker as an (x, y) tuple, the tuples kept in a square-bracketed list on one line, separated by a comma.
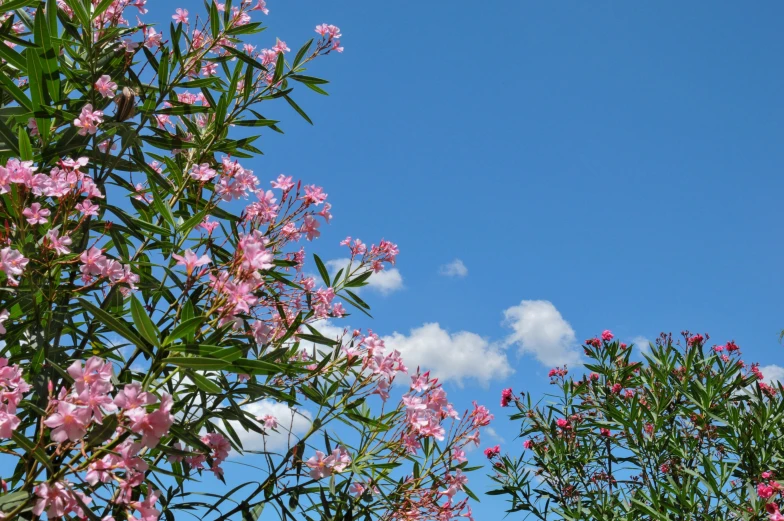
[(184, 329), (202, 363), (144, 323), (115, 324)]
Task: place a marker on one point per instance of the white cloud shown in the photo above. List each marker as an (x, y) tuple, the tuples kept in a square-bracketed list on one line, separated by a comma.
[(456, 268), (772, 374), (641, 344), (291, 425), (385, 282), (540, 330), (458, 356)]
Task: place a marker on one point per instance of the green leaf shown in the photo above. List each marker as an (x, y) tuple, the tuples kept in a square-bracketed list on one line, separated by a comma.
[(16, 4), (25, 148), (201, 363), (317, 339), (10, 501), (244, 57), (15, 92), (298, 109), (185, 328), (322, 269), (12, 57), (144, 323), (205, 384), (214, 20), (301, 53), (114, 324), (256, 367)]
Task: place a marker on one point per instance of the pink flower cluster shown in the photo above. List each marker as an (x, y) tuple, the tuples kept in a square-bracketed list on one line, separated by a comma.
[(322, 466), (96, 265), (12, 387), (59, 500), (73, 412)]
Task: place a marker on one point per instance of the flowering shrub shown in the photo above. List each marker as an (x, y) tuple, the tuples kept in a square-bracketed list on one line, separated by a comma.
[(154, 294), (690, 433)]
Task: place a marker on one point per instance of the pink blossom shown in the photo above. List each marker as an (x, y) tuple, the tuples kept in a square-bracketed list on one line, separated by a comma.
[(35, 214), (57, 243), (88, 120), (152, 426), (481, 415), (96, 374), (88, 208), (310, 227), (492, 452), (181, 15), (506, 397), (105, 86), (191, 261), (280, 46), (202, 172), (59, 500), (319, 465), (69, 422), (607, 335), (270, 422), (261, 5), (283, 182)]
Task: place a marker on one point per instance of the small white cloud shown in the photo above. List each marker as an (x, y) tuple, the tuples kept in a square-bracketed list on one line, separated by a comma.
[(456, 268), (641, 344), (385, 282), (540, 330), (458, 356), (291, 425), (772, 374)]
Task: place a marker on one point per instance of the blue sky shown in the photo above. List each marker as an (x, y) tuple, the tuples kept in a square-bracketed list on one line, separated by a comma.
[(618, 161)]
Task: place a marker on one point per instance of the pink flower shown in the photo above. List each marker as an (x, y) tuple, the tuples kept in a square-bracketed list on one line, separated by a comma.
[(181, 15), (280, 46), (270, 422), (12, 262), (607, 335), (59, 500), (320, 466), (261, 6), (527, 444), (146, 508), (481, 415), (8, 424), (202, 172), (310, 228), (132, 397), (57, 243), (492, 452), (105, 86), (35, 214), (283, 182), (88, 120), (69, 422), (191, 261), (764, 490), (155, 425), (96, 374), (506, 397), (88, 208)]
